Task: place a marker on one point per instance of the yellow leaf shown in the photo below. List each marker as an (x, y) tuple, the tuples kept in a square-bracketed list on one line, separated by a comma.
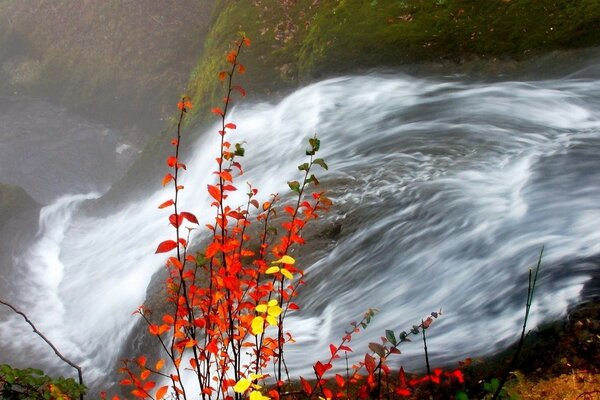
[(261, 308), (272, 270), (287, 274), (271, 320), (258, 325), (285, 260), (272, 303), (242, 385), (256, 395), (274, 311)]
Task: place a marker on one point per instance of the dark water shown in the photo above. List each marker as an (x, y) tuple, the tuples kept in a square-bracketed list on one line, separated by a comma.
[(445, 192)]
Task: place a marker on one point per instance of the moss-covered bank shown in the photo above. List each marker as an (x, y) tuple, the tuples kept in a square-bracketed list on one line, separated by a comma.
[(297, 41)]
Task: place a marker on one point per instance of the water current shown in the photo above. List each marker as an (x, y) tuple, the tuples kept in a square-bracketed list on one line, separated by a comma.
[(445, 191)]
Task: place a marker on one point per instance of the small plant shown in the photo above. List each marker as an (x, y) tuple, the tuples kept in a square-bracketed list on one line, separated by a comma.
[(228, 303), (33, 384)]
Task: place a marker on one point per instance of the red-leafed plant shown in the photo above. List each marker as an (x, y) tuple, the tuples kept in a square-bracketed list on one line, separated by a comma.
[(227, 302)]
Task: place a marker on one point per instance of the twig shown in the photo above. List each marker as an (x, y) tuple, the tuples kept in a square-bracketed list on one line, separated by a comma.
[(530, 290), (427, 357), (41, 335)]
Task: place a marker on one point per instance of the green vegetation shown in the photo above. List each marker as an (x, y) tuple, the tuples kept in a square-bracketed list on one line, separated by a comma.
[(33, 384), (294, 42)]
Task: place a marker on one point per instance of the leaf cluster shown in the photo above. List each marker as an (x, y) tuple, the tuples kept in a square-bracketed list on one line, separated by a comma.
[(33, 384)]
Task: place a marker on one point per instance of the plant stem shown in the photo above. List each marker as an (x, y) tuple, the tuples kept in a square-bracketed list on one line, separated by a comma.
[(41, 335), (530, 290)]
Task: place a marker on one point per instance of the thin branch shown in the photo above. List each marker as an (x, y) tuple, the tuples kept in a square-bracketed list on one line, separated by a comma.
[(41, 335), (530, 290)]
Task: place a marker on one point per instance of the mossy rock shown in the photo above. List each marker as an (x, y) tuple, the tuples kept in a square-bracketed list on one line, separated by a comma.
[(14, 200)]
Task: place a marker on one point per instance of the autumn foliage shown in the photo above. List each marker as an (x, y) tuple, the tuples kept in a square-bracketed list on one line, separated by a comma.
[(223, 335)]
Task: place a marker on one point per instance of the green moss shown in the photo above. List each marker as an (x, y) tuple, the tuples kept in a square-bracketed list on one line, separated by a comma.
[(14, 200)]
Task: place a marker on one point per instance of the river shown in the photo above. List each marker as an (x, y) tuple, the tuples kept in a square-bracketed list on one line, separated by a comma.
[(445, 191)]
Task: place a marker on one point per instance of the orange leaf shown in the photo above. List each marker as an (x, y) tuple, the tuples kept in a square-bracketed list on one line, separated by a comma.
[(153, 329), (159, 364), (217, 111), (168, 178), (241, 69), (246, 41), (222, 75), (166, 246), (168, 319), (231, 57), (214, 192), (149, 385), (231, 126), (160, 393), (167, 203), (145, 374)]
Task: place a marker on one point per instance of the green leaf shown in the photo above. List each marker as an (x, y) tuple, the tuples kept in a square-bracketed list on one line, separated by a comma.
[(303, 167), (321, 162), (391, 337), (239, 150), (461, 396), (294, 186)]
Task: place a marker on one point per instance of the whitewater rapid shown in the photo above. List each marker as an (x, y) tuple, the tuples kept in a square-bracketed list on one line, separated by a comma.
[(445, 192)]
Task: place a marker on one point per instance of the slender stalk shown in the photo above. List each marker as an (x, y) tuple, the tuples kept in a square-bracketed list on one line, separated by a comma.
[(530, 289), (427, 358), (48, 342)]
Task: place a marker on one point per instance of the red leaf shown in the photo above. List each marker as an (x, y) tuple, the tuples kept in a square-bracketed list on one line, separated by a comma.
[(230, 126), (341, 382), (214, 192), (293, 306), (189, 216), (321, 368), (240, 89), (166, 246), (217, 111), (222, 75), (149, 385), (306, 386), (172, 161), (332, 349), (369, 363), (139, 393), (344, 348), (246, 41), (183, 242), (241, 69), (176, 220), (167, 203), (402, 377)]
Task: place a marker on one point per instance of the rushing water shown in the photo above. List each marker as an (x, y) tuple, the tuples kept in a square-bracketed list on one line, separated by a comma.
[(445, 191)]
